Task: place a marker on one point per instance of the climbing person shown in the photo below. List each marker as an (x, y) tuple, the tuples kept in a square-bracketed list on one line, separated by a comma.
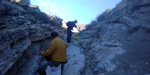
[(70, 25), (56, 53)]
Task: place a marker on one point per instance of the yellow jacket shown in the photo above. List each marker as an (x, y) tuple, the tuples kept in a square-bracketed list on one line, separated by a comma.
[(56, 50)]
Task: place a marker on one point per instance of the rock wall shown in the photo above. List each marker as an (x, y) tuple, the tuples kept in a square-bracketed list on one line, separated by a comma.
[(24, 32), (118, 42), (21, 2)]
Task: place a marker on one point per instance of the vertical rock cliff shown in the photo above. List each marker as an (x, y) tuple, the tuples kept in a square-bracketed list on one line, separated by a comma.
[(118, 42), (24, 32)]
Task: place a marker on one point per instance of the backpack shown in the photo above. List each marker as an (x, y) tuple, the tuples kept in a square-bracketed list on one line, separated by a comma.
[(71, 25)]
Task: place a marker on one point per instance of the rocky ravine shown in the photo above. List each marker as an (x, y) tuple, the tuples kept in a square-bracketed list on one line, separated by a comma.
[(24, 32), (118, 43)]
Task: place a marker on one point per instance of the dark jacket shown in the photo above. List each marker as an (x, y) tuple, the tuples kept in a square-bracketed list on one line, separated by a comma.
[(70, 25)]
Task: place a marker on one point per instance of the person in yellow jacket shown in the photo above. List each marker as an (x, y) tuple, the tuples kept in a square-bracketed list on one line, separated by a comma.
[(56, 53)]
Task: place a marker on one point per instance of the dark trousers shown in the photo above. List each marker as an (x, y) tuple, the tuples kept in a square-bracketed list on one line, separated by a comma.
[(69, 34), (41, 69)]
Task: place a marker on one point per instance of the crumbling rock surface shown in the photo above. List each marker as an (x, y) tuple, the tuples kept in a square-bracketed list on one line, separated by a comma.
[(22, 34), (118, 42)]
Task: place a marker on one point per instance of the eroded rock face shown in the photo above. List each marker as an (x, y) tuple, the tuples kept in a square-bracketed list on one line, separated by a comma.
[(118, 43), (22, 36)]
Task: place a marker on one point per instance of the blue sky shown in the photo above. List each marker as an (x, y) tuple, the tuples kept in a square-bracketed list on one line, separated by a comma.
[(84, 11)]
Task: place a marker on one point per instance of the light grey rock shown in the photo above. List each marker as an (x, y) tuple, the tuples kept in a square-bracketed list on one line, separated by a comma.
[(27, 23), (110, 44), (87, 57), (123, 47), (13, 43), (96, 69)]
